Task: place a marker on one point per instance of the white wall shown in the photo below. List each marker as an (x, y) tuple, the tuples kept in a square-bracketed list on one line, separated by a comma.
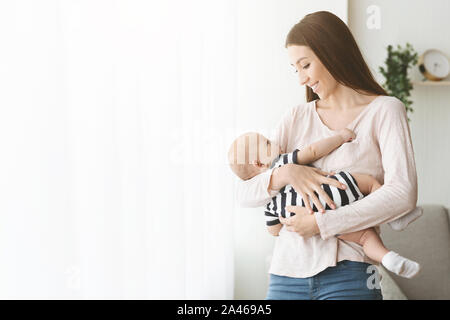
[(267, 87), (424, 24)]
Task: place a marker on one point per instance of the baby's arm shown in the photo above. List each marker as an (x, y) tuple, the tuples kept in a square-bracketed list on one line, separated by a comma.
[(323, 147), (275, 229)]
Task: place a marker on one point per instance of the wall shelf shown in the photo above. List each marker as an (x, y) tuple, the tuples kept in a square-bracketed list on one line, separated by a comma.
[(431, 83)]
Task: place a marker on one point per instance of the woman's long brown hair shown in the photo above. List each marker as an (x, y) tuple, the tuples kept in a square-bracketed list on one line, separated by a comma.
[(334, 45)]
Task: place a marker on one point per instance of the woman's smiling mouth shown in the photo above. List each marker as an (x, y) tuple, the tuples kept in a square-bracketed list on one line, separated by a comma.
[(314, 86)]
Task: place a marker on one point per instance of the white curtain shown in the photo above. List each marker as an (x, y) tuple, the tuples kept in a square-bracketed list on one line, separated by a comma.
[(114, 122)]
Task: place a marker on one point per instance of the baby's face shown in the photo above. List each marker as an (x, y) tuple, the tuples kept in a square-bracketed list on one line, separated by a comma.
[(254, 148), (251, 154), (267, 150)]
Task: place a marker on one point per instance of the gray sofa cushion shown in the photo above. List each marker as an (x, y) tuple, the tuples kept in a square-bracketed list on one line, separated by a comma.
[(389, 287), (426, 240)]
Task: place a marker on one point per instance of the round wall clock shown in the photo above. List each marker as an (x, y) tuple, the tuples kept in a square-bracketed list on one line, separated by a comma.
[(434, 65)]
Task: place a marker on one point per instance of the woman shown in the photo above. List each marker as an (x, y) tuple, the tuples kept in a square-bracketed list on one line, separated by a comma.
[(309, 262)]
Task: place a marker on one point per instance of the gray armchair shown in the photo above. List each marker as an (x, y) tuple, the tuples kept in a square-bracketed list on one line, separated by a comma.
[(427, 241)]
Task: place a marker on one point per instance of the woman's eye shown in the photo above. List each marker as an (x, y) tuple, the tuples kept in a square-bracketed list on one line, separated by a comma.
[(306, 66)]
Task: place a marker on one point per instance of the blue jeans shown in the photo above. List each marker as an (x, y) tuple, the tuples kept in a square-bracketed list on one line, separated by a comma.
[(348, 280)]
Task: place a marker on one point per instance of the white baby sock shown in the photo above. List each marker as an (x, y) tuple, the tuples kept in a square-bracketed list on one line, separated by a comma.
[(400, 265), (403, 222)]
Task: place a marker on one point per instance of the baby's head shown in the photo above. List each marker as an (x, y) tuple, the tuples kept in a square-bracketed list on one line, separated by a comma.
[(250, 154)]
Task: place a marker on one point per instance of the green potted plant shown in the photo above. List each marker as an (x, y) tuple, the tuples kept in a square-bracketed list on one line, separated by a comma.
[(396, 73)]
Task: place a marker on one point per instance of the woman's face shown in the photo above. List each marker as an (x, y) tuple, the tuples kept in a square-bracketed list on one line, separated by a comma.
[(311, 71)]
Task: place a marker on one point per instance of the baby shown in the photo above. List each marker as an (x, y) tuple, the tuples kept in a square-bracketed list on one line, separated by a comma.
[(252, 153)]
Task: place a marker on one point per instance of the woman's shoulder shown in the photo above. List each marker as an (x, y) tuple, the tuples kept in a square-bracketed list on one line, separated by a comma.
[(388, 111), (389, 103), (388, 106), (302, 109), (295, 115)]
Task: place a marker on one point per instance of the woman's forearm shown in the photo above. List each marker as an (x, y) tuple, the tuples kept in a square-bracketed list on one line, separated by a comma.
[(279, 178), (387, 204), (260, 189), (254, 192)]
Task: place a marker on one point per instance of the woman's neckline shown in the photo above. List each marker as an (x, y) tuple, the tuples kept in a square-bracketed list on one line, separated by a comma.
[(349, 125)]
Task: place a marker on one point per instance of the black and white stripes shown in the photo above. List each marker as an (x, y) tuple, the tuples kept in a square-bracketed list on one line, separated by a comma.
[(289, 197)]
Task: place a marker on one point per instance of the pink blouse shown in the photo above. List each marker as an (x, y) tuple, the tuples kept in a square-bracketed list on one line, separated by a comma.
[(382, 148)]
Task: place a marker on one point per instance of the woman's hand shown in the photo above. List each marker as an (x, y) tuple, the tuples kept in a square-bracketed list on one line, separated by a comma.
[(306, 181), (303, 223)]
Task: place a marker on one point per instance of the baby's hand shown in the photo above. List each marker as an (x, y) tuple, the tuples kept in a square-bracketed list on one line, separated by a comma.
[(347, 134)]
